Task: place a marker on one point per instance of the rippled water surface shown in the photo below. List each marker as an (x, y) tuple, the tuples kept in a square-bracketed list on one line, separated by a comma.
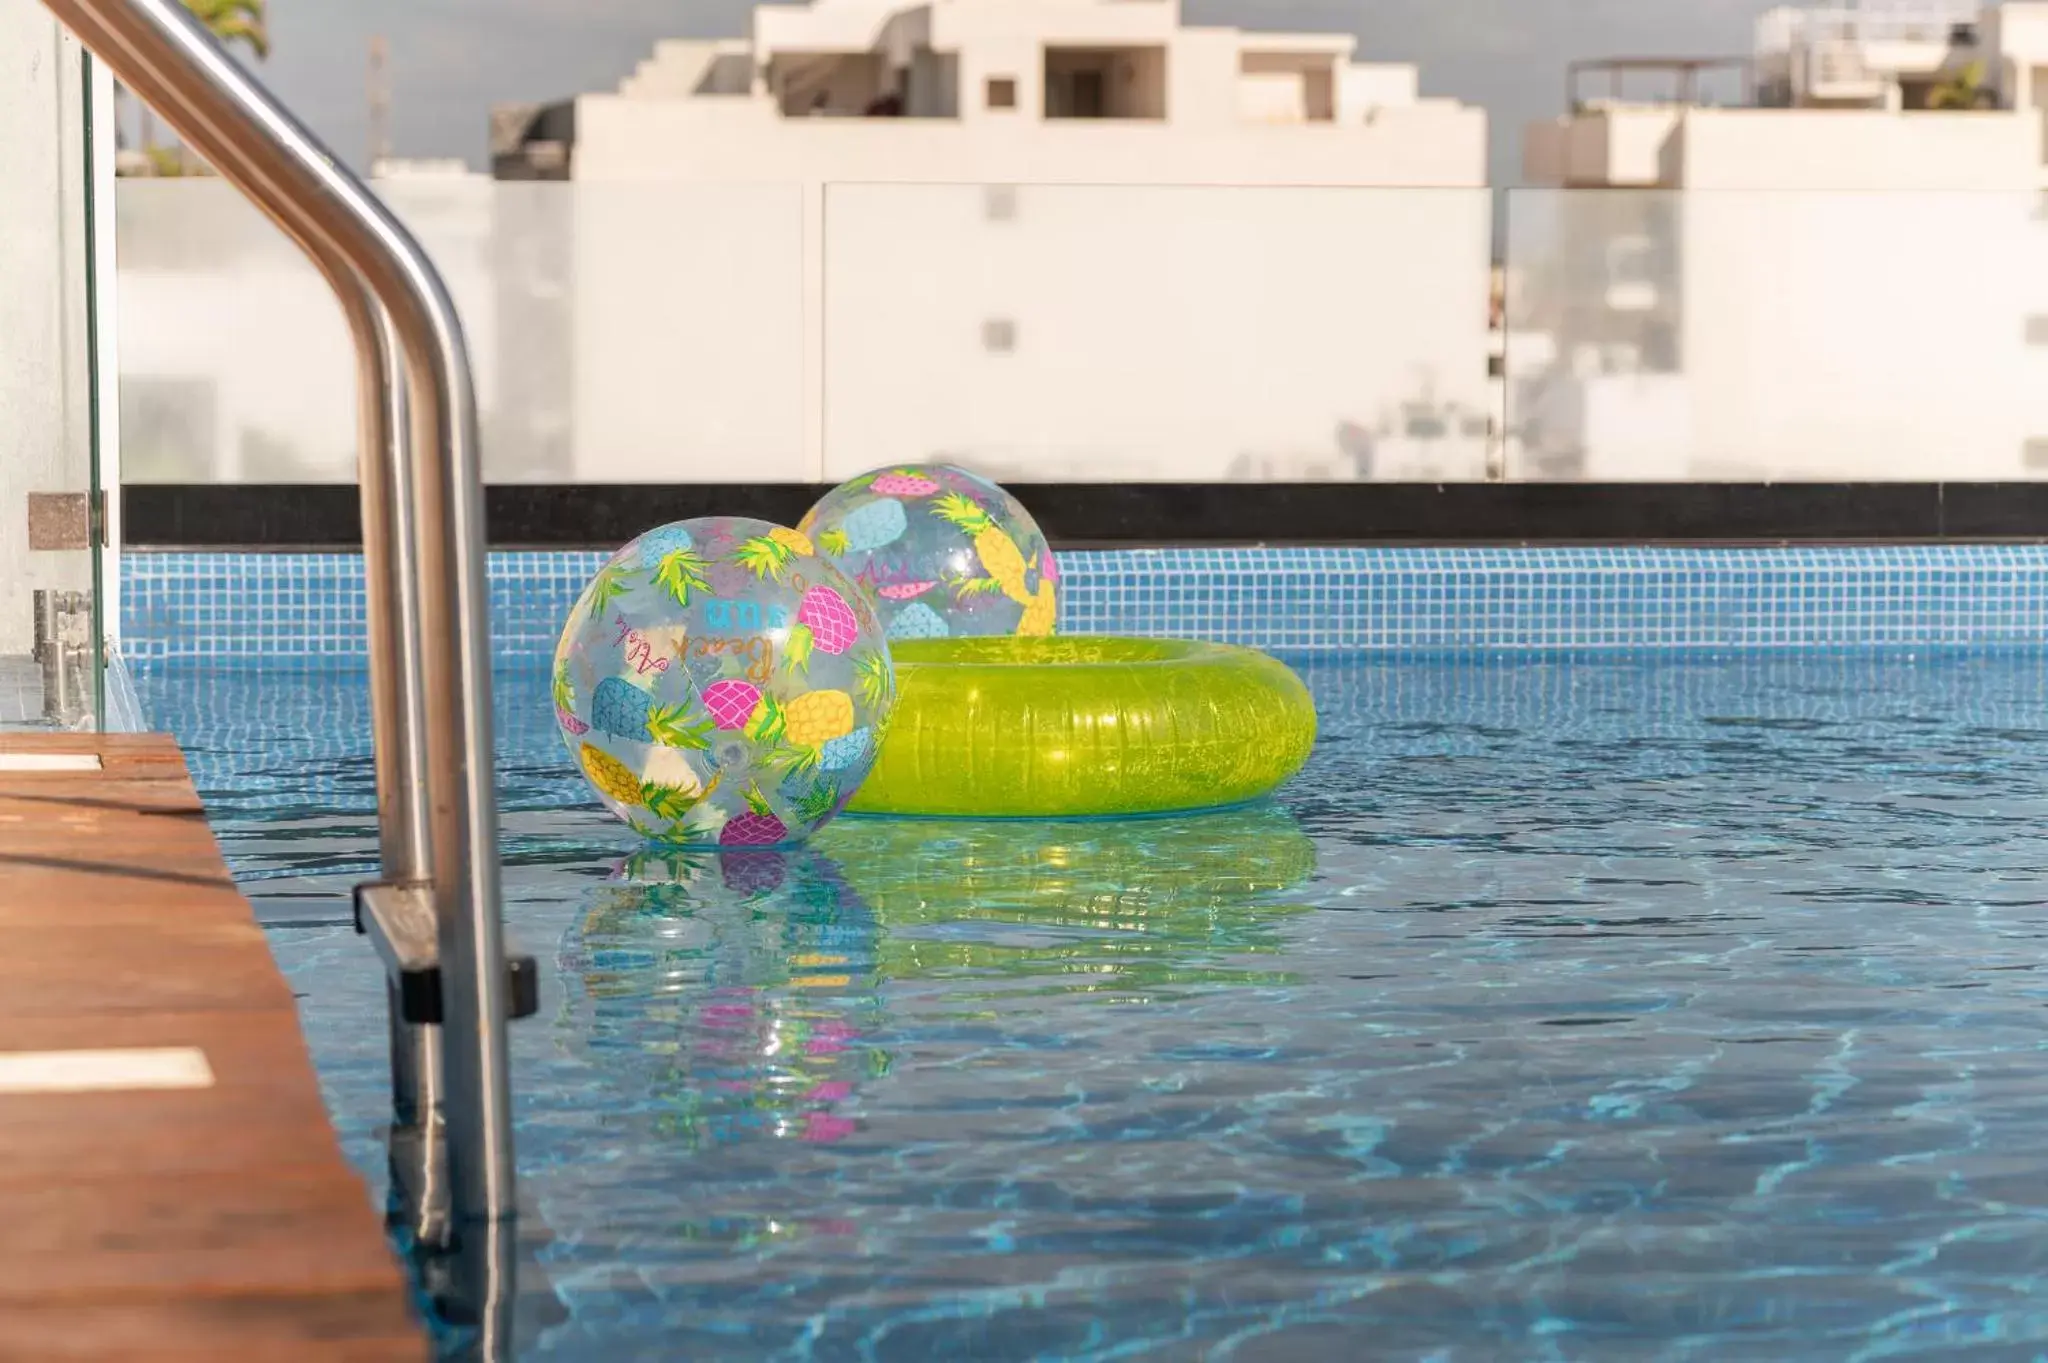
[(1682, 1009)]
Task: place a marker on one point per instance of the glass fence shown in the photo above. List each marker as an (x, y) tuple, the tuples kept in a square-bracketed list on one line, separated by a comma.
[(672, 333), (55, 320), (1116, 333), (1775, 336), (625, 334)]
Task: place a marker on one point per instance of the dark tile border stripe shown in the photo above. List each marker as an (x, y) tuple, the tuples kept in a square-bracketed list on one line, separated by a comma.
[(1076, 515)]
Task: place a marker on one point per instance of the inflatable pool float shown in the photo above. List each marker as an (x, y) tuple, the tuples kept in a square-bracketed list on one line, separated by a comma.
[(1001, 727)]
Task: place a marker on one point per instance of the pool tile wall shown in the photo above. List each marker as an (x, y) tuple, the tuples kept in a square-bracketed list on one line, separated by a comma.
[(283, 608)]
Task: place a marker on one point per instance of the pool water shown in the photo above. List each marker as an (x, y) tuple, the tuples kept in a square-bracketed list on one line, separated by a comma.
[(1646, 1007)]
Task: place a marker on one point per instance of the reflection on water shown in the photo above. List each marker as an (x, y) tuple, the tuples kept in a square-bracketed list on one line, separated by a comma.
[(1124, 910), (751, 983), (749, 980)]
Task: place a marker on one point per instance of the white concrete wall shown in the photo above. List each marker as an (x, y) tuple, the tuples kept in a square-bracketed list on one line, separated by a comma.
[(1365, 87), (1272, 97), (45, 436), (1202, 76), (2018, 32), (1630, 146), (746, 142), (681, 68), (1019, 60), (1636, 147), (1801, 149), (1793, 149)]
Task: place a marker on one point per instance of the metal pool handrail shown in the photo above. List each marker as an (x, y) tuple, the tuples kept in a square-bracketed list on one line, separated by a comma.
[(423, 539)]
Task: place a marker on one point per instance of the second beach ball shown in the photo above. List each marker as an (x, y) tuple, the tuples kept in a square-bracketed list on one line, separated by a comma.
[(946, 552)]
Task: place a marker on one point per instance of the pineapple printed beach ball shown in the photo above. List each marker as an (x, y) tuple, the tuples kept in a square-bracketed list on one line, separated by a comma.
[(945, 552), (721, 685)]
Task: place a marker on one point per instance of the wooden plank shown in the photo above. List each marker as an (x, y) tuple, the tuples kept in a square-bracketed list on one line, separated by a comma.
[(324, 1327), (84, 968), (84, 795), (165, 1224), (217, 1232)]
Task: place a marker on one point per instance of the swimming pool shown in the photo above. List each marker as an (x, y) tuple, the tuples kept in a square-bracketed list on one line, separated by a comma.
[(1651, 1005)]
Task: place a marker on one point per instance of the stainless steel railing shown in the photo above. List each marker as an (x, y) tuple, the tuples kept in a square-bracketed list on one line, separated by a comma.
[(436, 915)]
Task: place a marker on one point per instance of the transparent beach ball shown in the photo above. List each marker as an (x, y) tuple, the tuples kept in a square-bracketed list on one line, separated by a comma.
[(721, 685), (945, 552)]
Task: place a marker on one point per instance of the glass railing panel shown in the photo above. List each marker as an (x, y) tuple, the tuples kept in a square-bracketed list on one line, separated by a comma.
[(1101, 333), (1745, 336), (619, 333), (52, 641)]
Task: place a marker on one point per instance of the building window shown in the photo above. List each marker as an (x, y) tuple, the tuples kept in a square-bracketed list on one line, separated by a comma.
[(1103, 82), (999, 335), (1002, 92)]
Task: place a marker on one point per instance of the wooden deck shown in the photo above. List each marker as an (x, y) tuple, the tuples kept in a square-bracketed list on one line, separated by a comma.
[(204, 1222)]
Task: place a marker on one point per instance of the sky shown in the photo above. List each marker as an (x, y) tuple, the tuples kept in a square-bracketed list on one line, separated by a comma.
[(452, 59)]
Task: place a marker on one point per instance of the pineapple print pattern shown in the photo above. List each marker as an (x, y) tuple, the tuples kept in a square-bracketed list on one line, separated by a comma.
[(720, 684), (817, 717), (942, 552)]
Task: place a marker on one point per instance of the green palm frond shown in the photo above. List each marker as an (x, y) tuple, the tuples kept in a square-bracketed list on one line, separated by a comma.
[(766, 724), (669, 802), (962, 511), (796, 650), (872, 677), (794, 759), (607, 586), (764, 558), (672, 727), (681, 573), (816, 802)]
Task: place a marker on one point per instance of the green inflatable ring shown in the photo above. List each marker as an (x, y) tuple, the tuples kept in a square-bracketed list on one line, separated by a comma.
[(1005, 727)]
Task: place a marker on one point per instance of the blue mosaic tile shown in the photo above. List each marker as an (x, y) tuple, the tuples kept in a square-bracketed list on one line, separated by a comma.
[(282, 609)]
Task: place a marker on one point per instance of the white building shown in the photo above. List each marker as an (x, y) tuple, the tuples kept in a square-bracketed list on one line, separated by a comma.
[(1061, 239), (1845, 278)]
